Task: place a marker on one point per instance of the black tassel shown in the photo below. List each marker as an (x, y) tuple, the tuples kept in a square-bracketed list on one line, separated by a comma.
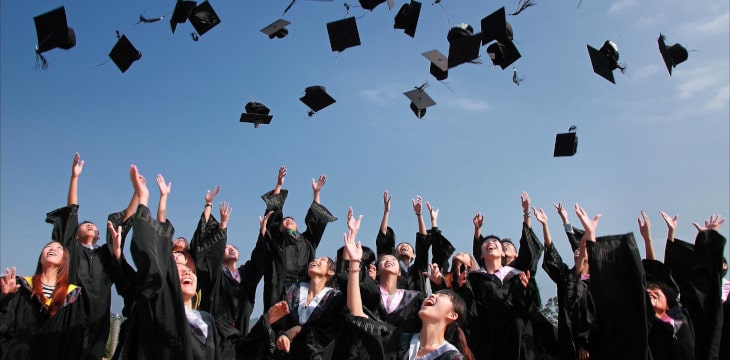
[(515, 79), (525, 4), (145, 20), (621, 67), (289, 7), (195, 36), (40, 61)]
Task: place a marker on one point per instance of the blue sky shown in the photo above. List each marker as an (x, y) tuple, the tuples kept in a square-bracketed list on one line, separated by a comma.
[(649, 142)]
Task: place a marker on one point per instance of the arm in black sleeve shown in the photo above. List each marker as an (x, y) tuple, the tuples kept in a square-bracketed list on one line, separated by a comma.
[(317, 219), (441, 249), (530, 251), (151, 251), (385, 243), (275, 203)]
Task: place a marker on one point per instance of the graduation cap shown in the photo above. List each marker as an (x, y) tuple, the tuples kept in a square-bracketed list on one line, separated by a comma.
[(256, 113), (316, 98), (182, 11), (124, 54), (371, 4), (659, 275), (343, 34), (419, 100), (495, 27), (204, 18), (463, 45), (407, 17), (277, 29), (672, 55), (605, 60), (503, 54), (439, 64), (566, 144), (53, 32)]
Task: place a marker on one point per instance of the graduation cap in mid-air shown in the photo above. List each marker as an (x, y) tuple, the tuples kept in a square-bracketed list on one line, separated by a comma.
[(124, 53), (407, 17), (672, 55), (420, 100), (605, 60), (343, 34), (203, 18), (463, 45), (277, 29), (53, 32), (183, 9), (496, 28), (371, 4), (439, 64), (257, 114), (316, 98), (566, 144)]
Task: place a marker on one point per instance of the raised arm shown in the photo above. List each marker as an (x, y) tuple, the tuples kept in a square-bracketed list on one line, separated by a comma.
[(386, 212), (525, 200), (645, 230), (209, 198), (353, 254), (588, 224), (164, 192), (317, 187), (433, 213), (477, 241), (671, 224), (542, 219), (418, 209), (280, 179), (73, 186)]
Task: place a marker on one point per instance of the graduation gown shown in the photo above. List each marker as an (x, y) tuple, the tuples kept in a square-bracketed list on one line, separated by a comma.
[(498, 313), (28, 332), (576, 311), (618, 288), (697, 269), (159, 328), (319, 332), (412, 278), (92, 270), (282, 257)]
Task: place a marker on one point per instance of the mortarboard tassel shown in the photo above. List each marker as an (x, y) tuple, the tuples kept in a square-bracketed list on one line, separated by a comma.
[(289, 6), (194, 36), (515, 79), (40, 61), (524, 5), (145, 20)]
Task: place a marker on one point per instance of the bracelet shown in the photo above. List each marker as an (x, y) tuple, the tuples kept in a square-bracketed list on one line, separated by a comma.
[(354, 270), (418, 214), (206, 205)]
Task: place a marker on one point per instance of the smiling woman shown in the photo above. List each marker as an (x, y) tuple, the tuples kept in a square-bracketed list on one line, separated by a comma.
[(40, 316)]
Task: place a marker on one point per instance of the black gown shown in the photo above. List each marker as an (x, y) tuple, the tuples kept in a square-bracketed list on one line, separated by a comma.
[(92, 270), (28, 332), (412, 279)]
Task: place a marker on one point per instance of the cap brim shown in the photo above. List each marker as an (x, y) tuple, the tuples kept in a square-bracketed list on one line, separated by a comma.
[(601, 64), (256, 118), (566, 144), (343, 34), (204, 18), (494, 26), (317, 99), (665, 54), (503, 54), (52, 30), (464, 49), (123, 54), (275, 26), (419, 98)]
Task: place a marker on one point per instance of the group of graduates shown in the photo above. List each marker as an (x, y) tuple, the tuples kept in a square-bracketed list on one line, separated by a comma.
[(190, 299)]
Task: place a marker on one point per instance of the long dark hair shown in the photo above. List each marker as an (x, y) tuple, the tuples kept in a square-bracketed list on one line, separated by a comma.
[(59, 293), (454, 333)]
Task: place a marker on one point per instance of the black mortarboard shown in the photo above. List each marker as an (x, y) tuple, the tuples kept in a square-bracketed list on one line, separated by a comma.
[(463, 45), (316, 98), (439, 64), (503, 54), (496, 27), (343, 34), (419, 101), (407, 17), (605, 60), (672, 55), (124, 54), (277, 29), (256, 113), (53, 31), (370, 4), (182, 11), (204, 18), (566, 144)]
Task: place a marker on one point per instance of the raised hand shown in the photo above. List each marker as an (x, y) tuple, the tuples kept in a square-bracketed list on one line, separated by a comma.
[(116, 235), (644, 227), (278, 311), (386, 201), (525, 200), (353, 224), (589, 225), (712, 224), (319, 183), (78, 166), (433, 212), (263, 221), (562, 212), (8, 283), (164, 188), (225, 213), (478, 220), (211, 194), (283, 343), (140, 185), (281, 176), (524, 278), (540, 215), (417, 204), (434, 274), (353, 250)]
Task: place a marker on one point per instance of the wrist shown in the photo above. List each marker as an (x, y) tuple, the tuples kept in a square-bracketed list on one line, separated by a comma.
[(207, 204)]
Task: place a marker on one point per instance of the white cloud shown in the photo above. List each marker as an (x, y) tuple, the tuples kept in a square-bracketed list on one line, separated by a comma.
[(647, 71), (721, 98), (717, 25), (621, 5), (475, 105), (378, 96)]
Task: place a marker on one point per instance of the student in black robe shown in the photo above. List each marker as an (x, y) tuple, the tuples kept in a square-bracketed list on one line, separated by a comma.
[(41, 317), (697, 270), (671, 334), (316, 318), (576, 311), (441, 313), (619, 292), (282, 253), (92, 266)]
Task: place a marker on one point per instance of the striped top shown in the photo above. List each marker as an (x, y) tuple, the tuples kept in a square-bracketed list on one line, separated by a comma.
[(48, 290)]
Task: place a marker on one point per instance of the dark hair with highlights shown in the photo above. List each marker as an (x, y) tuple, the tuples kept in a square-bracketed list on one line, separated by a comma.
[(59, 293)]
